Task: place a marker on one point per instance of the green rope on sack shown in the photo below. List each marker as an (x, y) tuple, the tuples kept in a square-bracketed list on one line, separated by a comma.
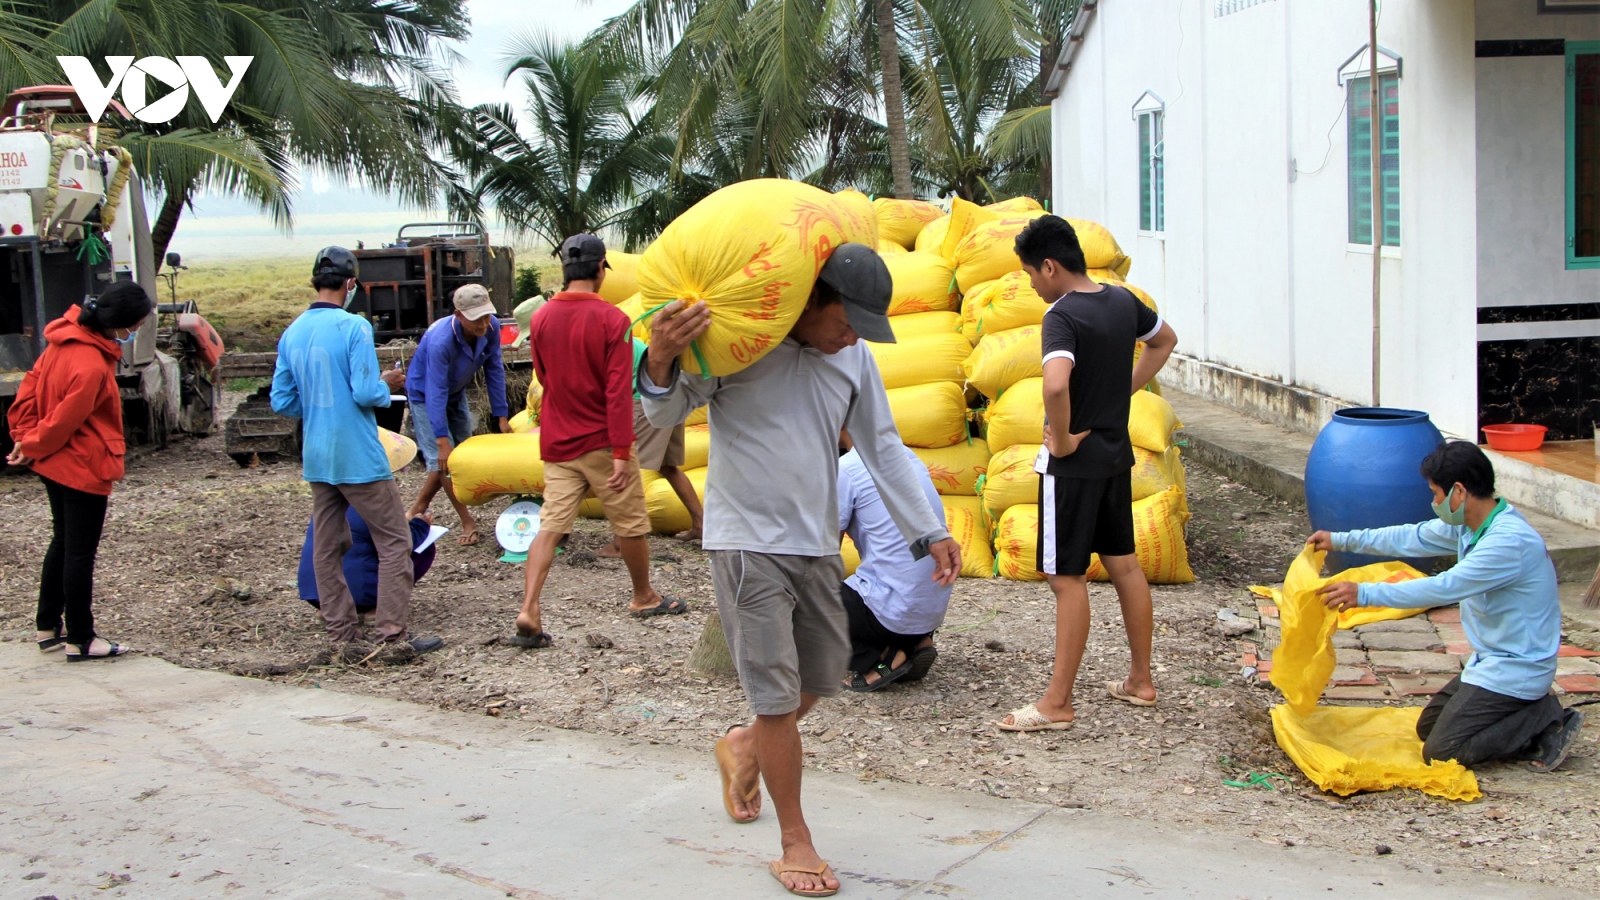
[(694, 347), (978, 485)]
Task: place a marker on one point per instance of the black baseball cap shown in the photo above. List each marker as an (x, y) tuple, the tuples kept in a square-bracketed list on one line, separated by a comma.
[(857, 272), (583, 248)]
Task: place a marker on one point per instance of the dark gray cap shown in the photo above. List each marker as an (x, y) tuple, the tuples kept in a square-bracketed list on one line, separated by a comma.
[(583, 248), (857, 272)]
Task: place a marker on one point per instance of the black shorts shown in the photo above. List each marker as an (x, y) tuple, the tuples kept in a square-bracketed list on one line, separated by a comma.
[(1080, 516)]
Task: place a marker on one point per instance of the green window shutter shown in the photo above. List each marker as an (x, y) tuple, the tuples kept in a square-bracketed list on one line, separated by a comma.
[(1359, 156), (1158, 166), (1146, 188), (1583, 154)]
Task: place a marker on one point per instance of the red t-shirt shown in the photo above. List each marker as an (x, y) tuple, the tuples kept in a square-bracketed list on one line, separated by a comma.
[(583, 355)]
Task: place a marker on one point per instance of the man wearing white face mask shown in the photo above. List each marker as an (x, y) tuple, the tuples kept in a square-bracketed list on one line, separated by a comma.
[(1501, 706)]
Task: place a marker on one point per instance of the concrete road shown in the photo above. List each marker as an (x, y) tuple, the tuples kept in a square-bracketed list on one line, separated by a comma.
[(137, 778)]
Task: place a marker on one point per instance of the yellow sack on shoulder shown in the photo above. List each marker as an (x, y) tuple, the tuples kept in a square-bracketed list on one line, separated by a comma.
[(861, 219), (922, 360), (751, 251), (1018, 416), (931, 238), (1100, 248), (929, 415), (490, 465), (1151, 422), (1015, 204), (1004, 358), (696, 446), (923, 282), (1003, 304), (622, 279), (955, 470), (964, 518), (1157, 472), (1016, 543), (912, 325), (667, 513), (888, 248), (901, 221), (1158, 522), (1010, 480)]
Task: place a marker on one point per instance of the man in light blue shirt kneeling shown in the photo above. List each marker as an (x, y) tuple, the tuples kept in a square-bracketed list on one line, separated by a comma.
[(1500, 707)]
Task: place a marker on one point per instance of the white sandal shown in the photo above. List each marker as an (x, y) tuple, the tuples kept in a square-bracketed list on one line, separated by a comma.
[(1028, 718)]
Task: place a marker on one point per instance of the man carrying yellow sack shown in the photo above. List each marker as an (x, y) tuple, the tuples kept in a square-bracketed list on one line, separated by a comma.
[(1500, 707)]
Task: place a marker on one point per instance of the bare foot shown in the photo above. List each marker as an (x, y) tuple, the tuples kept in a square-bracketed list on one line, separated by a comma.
[(744, 788), (609, 551), (1048, 710), (527, 626), (804, 856)]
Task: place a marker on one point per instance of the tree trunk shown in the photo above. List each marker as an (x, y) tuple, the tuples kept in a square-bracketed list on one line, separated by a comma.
[(710, 656), (1048, 54), (166, 224), (894, 102)]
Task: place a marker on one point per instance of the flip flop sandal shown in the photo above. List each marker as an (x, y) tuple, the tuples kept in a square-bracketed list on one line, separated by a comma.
[(822, 871), (921, 661), (48, 644), (669, 606), (886, 677), (726, 765), (531, 641), (1028, 718), (1114, 688), (467, 540), (116, 650)]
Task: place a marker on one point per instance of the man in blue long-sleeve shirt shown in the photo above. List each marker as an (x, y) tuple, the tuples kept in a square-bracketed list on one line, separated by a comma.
[(1500, 707), (451, 353)]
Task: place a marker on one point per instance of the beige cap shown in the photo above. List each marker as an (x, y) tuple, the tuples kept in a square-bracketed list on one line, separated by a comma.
[(472, 301)]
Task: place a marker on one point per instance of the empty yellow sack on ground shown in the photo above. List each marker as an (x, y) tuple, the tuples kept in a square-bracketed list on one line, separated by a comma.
[(888, 248), (1015, 204), (667, 513), (923, 282), (696, 446), (955, 470), (490, 465), (1151, 422), (1004, 358), (1003, 304), (1018, 416), (1163, 556), (931, 238), (912, 325), (964, 518), (922, 360), (861, 219), (900, 221), (1016, 543), (622, 279), (1347, 749), (1157, 472), (929, 415), (850, 556), (1100, 248), (751, 251), (1010, 480)]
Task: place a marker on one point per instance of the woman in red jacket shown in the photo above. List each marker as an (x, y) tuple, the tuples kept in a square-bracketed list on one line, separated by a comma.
[(67, 425)]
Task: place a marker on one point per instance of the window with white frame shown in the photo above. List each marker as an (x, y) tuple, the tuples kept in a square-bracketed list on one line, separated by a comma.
[(1150, 114), (1356, 78)]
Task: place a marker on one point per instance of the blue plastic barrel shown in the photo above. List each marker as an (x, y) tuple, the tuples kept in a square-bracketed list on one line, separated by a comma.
[(1363, 472)]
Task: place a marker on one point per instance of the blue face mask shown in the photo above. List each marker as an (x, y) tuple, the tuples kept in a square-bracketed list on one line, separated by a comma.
[(1451, 516), (127, 340)]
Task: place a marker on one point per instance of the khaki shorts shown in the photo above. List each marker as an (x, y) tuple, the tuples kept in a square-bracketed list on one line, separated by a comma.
[(657, 446), (787, 629), (566, 484)]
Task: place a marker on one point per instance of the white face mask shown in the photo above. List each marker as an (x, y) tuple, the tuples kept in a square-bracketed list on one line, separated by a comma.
[(350, 295)]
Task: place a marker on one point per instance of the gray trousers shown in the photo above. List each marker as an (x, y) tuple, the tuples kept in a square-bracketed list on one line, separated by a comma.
[(378, 504), (1474, 725), (786, 627)]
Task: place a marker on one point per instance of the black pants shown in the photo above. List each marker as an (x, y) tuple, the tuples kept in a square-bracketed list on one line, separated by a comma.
[(66, 586), (1473, 725), (869, 638)]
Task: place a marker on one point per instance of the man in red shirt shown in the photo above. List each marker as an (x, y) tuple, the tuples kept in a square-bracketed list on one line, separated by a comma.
[(583, 354)]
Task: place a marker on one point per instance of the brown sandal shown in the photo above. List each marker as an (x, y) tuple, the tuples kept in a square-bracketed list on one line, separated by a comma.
[(822, 871), (726, 766)]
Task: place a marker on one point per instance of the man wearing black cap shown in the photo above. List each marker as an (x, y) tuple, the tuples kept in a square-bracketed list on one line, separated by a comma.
[(772, 521)]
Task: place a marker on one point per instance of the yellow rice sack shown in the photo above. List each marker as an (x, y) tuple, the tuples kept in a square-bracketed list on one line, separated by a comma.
[(922, 283), (1015, 204), (1016, 543), (1100, 248), (861, 219), (963, 516), (635, 309), (490, 465), (887, 247), (751, 251), (929, 415), (701, 415), (1010, 480), (921, 360), (1018, 416), (1104, 275), (850, 556), (1157, 472), (901, 221), (1158, 522), (667, 513), (696, 446), (1003, 304), (622, 279), (955, 470), (1137, 291), (988, 251), (931, 238), (913, 325), (1346, 750), (1151, 422), (1004, 358), (523, 422)]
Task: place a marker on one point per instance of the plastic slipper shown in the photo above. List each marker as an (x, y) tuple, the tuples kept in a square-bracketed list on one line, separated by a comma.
[(669, 606), (1028, 718), (886, 677), (821, 871), (468, 539), (921, 661), (1115, 689), (531, 641), (726, 766), (51, 643), (115, 649), (1557, 752)]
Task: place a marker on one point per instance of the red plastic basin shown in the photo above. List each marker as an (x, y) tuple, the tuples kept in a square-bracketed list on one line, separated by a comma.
[(1515, 437)]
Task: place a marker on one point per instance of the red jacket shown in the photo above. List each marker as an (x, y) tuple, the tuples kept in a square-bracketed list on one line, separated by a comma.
[(583, 354), (67, 416)]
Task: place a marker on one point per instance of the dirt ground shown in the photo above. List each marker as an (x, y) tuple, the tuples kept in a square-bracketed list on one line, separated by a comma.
[(188, 517)]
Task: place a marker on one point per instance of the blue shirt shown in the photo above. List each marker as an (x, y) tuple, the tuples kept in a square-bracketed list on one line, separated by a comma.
[(898, 589), (444, 365), (1504, 581), (328, 378)]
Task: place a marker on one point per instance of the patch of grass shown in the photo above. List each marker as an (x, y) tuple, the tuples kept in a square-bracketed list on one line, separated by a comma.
[(250, 301), (1210, 681)]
